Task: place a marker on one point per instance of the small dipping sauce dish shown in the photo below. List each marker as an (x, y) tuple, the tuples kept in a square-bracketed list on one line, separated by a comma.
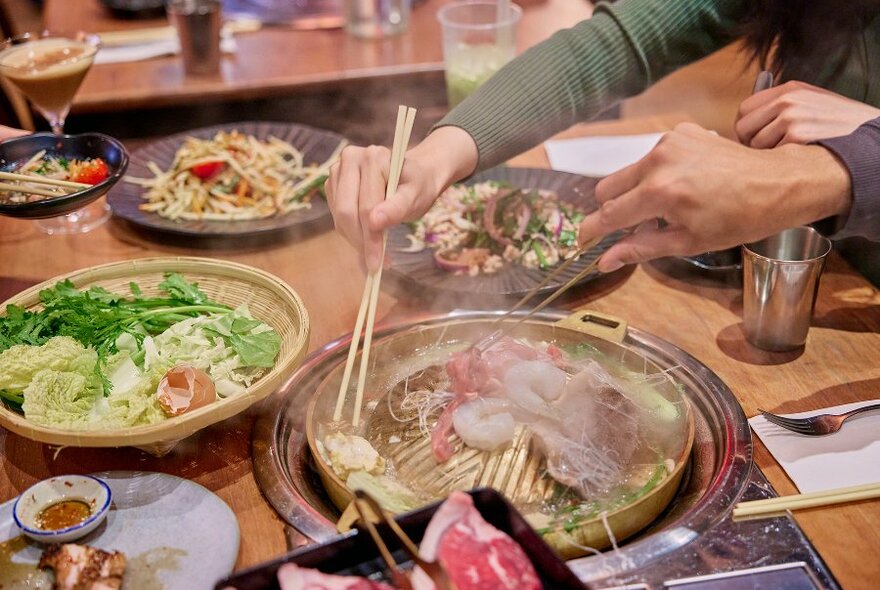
[(62, 508)]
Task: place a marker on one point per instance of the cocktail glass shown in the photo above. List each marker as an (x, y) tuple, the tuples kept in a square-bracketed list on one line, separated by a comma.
[(48, 69)]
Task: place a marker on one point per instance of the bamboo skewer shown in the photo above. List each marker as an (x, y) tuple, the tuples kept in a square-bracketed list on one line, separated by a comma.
[(778, 506), (496, 334), (370, 297), (37, 179)]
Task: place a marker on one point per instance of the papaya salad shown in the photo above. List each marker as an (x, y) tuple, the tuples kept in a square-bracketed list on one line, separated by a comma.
[(43, 165), (97, 360), (478, 229), (233, 176)]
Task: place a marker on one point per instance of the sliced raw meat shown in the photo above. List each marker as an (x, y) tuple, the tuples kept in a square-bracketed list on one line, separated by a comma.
[(293, 577), (476, 555)]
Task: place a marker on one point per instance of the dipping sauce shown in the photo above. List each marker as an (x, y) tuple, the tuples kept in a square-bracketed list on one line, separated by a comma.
[(63, 514)]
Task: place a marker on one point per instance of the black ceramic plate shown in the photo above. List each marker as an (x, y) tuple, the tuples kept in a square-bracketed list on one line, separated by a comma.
[(355, 554), (317, 146), (729, 260), (15, 152), (135, 8), (513, 279)]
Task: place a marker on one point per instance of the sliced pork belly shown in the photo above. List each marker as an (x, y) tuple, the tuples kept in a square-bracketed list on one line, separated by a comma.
[(476, 555), (79, 567), (293, 577)]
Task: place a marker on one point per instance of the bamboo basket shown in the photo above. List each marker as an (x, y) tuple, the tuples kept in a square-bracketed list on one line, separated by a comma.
[(269, 299)]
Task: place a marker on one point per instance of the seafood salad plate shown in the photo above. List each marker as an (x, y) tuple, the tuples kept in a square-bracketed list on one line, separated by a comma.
[(161, 532), (498, 234)]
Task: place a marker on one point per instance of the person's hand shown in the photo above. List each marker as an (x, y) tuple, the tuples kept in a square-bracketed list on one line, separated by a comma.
[(356, 186), (10, 132), (712, 193), (796, 112)]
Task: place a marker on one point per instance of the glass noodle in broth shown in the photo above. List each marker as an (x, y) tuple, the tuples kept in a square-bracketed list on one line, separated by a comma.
[(567, 428)]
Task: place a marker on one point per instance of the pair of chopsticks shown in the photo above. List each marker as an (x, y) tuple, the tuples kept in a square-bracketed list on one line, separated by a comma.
[(368, 508), (367, 311), (779, 506), (37, 179)]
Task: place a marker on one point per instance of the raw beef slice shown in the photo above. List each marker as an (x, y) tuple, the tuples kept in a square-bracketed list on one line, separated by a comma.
[(293, 577), (476, 555)]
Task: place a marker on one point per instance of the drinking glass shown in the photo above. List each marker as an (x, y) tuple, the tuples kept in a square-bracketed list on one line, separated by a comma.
[(478, 38), (780, 283), (48, 69)]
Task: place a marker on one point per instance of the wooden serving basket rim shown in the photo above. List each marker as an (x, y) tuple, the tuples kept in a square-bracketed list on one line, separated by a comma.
[(181, 426), (330, 479)]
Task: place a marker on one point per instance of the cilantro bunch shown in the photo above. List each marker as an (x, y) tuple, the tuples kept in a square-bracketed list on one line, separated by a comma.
[(96, 317)]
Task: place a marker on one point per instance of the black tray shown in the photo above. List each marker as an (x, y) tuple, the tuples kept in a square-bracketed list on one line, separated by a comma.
[(355, 554)]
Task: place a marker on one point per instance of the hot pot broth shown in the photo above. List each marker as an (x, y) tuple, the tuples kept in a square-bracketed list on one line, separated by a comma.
[(618, 432)]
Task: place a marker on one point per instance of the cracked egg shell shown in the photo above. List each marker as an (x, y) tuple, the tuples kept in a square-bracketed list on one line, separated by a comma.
[(185, 388)]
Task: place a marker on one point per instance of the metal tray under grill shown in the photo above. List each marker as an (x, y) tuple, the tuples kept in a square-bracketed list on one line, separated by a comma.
[(719, 473)]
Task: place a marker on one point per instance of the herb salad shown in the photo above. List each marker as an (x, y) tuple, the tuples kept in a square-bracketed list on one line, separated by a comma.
[(477, 229)]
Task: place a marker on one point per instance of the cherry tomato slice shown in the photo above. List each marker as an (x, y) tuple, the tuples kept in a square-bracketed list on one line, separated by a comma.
[(91, 172), (207, 170)]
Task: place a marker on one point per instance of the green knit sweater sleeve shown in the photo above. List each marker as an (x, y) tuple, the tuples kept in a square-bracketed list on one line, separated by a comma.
[(581, 71)]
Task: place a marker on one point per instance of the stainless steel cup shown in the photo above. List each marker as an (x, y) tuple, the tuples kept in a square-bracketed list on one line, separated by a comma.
[(198, 27), (780, 281)]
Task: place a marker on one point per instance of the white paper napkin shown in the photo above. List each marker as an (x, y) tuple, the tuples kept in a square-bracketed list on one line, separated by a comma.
[(848, 457), (151, 49), (599, 156)]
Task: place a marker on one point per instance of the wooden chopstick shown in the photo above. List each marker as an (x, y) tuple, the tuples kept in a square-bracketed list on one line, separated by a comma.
[(398, 577), (17, 188), (775, 506), (433, 569), (352, 349), (37, 179), (370, 297), (405, 119)]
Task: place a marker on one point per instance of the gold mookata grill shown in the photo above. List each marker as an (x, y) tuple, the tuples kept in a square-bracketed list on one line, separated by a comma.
[(677, 529)]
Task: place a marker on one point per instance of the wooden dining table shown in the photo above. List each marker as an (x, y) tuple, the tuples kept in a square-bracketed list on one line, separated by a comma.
[(699, 314), (277, 60)]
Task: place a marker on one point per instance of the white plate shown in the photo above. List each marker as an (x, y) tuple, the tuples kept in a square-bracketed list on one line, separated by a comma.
[(176, 535)]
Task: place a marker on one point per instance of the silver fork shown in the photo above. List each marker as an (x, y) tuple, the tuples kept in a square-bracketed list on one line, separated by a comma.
[(816, 425)]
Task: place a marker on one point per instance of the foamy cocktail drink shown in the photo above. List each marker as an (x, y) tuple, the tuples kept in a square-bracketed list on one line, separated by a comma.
[(48, 71)]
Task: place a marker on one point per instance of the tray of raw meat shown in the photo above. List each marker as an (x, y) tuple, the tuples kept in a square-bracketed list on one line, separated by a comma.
[(480, 540)]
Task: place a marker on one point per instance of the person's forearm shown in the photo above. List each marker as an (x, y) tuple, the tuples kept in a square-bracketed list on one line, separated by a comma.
[(449, 152), (579, 72), (859, 152)]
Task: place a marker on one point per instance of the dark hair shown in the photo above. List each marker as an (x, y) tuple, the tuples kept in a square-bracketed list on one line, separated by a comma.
[(809, 40)]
